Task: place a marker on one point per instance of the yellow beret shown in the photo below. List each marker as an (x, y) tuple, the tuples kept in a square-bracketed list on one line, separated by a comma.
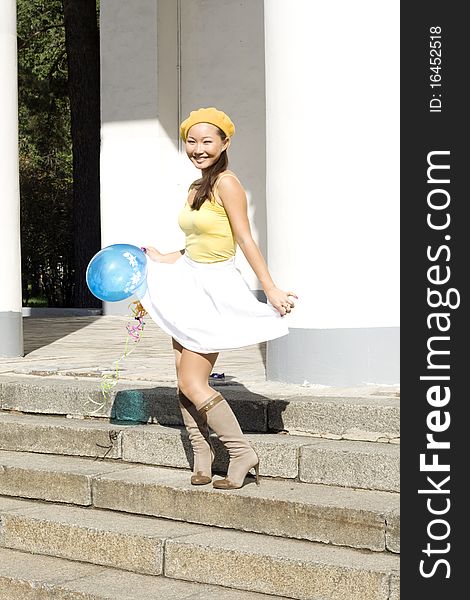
[(207, 115)]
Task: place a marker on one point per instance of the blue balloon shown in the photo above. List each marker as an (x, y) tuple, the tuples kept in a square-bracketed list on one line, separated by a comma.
[(116, 272)]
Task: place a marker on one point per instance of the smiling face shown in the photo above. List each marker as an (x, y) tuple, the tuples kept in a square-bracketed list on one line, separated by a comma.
[(204, 145)]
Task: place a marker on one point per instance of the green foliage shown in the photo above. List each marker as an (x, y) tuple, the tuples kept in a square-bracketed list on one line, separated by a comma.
[(45, 153)]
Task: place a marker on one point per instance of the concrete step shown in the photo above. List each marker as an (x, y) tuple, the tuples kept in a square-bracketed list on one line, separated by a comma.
[(262, 408), (330, 514), (239, 560), (365, 465), (25, 576)]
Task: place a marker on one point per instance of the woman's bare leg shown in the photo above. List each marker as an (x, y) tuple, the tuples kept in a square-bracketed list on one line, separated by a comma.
[(193, 381), (193, 375), (177, 350)]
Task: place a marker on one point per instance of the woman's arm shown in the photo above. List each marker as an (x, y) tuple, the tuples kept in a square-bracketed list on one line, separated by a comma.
[(234, 201), (157, 256)]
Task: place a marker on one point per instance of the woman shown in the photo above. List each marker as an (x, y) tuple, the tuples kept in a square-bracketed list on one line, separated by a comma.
[(198, 296)]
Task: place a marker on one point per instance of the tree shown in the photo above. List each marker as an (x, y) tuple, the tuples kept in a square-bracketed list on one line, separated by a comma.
[(83, 59), (59, 107), (45, 153)]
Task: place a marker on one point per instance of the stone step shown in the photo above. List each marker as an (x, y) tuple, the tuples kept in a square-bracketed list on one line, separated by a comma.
[(365, 465), (243, 561), (260, 409), (330, 514), (25, 576)]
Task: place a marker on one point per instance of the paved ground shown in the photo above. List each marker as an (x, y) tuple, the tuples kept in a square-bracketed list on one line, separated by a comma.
[(88, 346)]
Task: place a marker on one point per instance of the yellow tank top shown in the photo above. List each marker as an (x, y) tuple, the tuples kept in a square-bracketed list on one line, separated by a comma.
[(209, 236)]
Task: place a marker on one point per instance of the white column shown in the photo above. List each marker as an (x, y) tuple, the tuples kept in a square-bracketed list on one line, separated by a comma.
[(139, 133), (11, 325), (332, 123)]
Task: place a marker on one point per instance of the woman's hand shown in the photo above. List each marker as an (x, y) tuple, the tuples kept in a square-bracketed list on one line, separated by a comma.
[(157, 256), (154, 254), (281, 300)]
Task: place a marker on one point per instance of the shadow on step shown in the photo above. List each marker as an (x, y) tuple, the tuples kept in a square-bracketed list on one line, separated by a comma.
[(256, 413)]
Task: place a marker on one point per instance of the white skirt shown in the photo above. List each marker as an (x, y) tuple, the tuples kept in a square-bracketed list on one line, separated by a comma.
[(208, 307)]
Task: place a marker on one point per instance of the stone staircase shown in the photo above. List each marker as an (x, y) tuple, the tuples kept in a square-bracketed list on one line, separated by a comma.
[(95, 499)]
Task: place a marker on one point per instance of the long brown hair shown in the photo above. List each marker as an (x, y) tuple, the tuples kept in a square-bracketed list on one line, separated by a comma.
[(205, 184)]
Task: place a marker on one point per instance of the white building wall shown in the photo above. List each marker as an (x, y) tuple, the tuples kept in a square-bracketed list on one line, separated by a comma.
[(332, 98), (146, 92), (332, 74), (222, 65), (140, 178), (327, 124)]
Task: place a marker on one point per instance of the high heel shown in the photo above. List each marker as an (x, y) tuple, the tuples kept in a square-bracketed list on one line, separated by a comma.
[(230, 482), (257, 472), (198, 434), (219, 416)]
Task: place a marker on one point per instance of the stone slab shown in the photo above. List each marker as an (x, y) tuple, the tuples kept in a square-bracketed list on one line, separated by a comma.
[(366, 465), (69, 396), (335, 515), (287, 568), (330, 514), (164, 446), (363, 418), (50, 477), (122, 541), (315, 460), (392, 540), (26, 576), (127, 403), (259, 408), (58, 435), (245, 561)]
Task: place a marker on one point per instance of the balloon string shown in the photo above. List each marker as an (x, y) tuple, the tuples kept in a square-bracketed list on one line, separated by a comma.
[(110, 380)]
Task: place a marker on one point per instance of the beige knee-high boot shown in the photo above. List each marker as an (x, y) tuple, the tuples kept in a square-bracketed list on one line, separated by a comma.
[(198, 434), (221, 419)]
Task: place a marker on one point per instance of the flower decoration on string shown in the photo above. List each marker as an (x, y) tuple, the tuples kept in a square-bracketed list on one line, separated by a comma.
[(109, 380)]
